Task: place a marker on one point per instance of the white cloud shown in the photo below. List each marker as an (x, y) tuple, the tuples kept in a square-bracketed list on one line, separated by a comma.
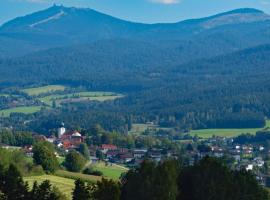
[(166, 1)]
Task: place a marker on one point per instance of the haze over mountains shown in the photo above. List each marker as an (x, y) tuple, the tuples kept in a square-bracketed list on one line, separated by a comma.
[(167, 70)]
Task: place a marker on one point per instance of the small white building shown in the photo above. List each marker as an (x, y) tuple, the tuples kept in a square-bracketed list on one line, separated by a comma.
[(249, 167), (61, 131)]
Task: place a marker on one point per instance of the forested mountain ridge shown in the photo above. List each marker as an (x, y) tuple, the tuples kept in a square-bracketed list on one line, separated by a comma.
[(209, 72), (61, 26)]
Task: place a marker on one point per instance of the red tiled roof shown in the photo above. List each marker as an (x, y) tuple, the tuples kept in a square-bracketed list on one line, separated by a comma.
[(109, 146)]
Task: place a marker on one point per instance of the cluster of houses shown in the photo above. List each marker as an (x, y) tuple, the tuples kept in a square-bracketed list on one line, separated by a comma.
[(132, 157), (252, 157)]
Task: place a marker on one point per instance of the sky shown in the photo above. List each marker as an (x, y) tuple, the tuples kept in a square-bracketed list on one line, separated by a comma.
[(147, 11)]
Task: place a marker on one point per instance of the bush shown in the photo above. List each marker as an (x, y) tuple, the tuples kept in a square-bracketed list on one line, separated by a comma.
[(91, 171), (74, 161)]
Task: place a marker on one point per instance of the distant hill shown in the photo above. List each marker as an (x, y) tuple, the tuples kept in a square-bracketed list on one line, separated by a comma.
[(199, 73), (61, 26)]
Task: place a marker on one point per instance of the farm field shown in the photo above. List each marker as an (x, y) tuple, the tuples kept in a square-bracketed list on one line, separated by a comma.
[(140, 128), (65, 185), (207, 133), (112, 171), (44, 89), (80, 96), (23, 109)]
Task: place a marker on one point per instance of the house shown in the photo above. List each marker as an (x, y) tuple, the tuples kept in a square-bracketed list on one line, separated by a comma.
[(125, 157), (106, 147), (28, 150), (71, 140), (249, 167), (139, 153)]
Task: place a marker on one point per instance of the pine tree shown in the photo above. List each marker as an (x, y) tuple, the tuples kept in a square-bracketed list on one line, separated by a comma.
[(81, 191)]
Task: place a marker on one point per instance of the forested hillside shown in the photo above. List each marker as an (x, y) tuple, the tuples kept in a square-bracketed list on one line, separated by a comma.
[(203, 73)]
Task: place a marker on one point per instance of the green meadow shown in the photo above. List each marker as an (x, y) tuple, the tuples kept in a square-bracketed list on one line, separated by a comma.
[(44, 89), (65, 185), (23, 109), (111, 171), (80, 96), (207, 133)]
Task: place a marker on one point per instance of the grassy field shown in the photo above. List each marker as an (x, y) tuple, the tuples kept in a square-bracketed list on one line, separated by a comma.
[(65, 185), (111, 171), (207, 133), (74, 176), (140, 128), (45, 89), (23, 109), (80, 96)]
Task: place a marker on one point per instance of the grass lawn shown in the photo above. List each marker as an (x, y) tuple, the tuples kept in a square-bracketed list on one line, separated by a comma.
[(23, 109), (65, 185), (207, 133), (111, 171), (44, 89)]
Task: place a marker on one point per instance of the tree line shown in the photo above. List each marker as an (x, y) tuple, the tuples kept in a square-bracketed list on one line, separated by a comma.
[(209, 179)]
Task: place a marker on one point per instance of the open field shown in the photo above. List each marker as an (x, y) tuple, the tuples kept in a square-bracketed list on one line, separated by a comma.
[(207, 133), (23, 109), (65, 185), (45, 89), (74, 176), (80, 96), (112, 171), (140, 128)]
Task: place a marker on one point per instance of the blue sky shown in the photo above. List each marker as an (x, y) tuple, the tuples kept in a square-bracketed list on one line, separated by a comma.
[(149, 11)]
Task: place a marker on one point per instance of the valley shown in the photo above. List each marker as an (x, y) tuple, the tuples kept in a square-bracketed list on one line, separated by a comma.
[(95, 107)]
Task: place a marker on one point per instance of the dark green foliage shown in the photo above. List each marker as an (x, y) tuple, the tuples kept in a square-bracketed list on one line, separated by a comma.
[(84, 150), (74, 161), (207, 180), (18, 158), (44, 155), (211, 180), (107, 190), (45, 191), (16, 138), (3, 196), (12, 184), (151, 182), (91, 171), (82, 191), (260, 137), (12, 187)]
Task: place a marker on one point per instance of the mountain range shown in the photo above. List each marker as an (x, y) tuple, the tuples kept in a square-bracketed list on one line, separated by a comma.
[(60, 26), (195, 73)]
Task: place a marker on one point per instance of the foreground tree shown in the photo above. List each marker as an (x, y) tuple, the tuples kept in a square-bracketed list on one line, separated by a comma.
[(82, 191), (151, 181), (210, 179), (107, 190), (12, 184), (3, 196), (45, 191)]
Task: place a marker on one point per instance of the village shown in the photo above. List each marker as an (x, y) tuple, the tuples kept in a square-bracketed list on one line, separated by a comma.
[(252, 157)]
